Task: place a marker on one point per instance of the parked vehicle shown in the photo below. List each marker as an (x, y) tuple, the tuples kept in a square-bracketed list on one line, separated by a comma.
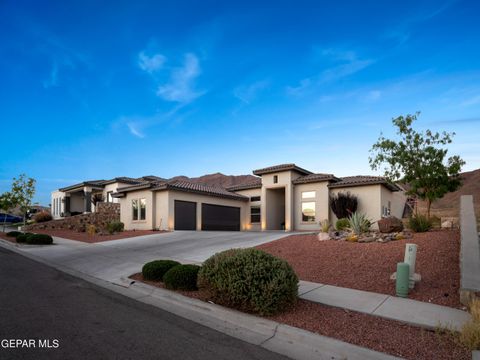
[(8, 218)]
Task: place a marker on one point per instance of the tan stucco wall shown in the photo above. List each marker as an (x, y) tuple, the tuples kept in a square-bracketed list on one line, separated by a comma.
[(249, 193), (56, 197), (369, 201), (321, 205), (397, 201), (199, 199), (126, 210)]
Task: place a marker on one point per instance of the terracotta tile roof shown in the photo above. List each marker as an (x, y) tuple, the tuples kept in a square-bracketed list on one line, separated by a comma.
[(363, 180), (253, 185), (198, 188), (281, 167), (315, 178)]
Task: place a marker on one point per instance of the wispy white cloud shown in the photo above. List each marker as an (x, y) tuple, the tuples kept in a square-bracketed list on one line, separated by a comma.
[(338, 64), (53, 79), (135, 130), (249, 93), (373, 95), (475, 100), (181, 86), (151, 63)]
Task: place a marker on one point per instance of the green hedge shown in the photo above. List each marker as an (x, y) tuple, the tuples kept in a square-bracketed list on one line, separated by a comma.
[(22, 238), (251, 280), (155, 270), (181, 277), (13, 233), (39, 239)]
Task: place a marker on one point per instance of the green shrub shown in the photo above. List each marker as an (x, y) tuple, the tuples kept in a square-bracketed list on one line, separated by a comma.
[(358, 223), (325, 225), (13, 233), (342, 224), (42, 216), (181, 277), (39, 239), (250, 280), (155, 270), (419, 223), (22, 238), (115, 227)]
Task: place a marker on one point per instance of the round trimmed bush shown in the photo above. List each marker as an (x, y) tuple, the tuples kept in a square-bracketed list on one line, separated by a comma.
[(182, 277), (42, 216), (251, 280), (39, 239), (342, 224), (154, 270), (13, 233), (115, 227), (22, 237)]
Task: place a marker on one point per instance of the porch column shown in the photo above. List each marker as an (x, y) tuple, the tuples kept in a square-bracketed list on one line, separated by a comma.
[(289, 208), (66, 205), (87, 199)]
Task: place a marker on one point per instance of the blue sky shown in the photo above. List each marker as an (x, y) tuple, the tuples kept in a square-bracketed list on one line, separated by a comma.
[(93, 89)]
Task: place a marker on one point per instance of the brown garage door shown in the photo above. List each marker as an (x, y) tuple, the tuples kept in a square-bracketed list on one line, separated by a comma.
[(185, 215), (217, 217)]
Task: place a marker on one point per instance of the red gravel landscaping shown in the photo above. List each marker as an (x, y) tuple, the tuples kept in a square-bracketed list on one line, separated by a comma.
[(84, 237), (387, 336), (368, 266)]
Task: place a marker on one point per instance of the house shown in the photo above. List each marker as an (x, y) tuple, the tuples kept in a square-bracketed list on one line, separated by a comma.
[(281, 197)]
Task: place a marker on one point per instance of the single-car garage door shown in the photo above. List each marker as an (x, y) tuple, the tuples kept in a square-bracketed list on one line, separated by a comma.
[(185, 215), (217, 217)]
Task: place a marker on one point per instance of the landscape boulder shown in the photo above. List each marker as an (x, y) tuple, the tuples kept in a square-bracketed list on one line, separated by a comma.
[(390, 224)]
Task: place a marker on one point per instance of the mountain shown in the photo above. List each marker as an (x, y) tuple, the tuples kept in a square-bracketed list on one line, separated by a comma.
[(219, 179), (449, 205)]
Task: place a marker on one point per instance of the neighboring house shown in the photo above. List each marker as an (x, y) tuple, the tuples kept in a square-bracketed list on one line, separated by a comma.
[(79, 198), (281, 197)]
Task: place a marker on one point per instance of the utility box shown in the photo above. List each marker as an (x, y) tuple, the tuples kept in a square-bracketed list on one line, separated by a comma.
[(402, 279), (410, 259)]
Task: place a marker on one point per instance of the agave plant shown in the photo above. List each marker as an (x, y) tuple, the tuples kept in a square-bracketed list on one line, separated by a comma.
[(358, 223)]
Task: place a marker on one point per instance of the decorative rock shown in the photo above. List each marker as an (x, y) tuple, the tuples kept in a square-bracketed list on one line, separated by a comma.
[(390, 224), (323, 236), (367, 239), (447, 224)]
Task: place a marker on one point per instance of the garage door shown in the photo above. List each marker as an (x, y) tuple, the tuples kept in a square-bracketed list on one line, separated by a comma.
[(185, 215), (216, 217)]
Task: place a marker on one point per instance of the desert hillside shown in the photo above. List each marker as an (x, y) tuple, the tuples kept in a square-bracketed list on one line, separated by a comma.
[(449, 205)]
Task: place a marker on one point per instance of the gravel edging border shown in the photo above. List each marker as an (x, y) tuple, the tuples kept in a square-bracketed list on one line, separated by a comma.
[(283, 339)]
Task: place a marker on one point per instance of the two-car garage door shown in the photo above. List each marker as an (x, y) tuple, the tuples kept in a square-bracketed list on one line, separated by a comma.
[(214, 217)]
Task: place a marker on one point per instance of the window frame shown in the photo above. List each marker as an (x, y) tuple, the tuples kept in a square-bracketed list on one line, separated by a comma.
[(306, 221), (255, 198), (259, 214), (275, 179), (141, 204)]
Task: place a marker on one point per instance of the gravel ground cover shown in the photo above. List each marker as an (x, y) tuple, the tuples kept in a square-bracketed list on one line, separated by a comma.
[(387, 336), (84, 237), (368, 266)]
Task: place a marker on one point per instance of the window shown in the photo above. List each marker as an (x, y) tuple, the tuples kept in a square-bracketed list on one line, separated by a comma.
[(139, 208), (143, 209), (255, 214), (135, 209), (308, 211), (308, 194), (275, 179), (255, 198)]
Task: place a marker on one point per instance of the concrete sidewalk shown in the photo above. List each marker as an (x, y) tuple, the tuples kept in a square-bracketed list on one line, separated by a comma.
[(412, 312)]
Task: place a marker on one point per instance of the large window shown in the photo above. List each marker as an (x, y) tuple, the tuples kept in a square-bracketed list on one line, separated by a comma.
[(139, 209), (255, 214), (308, 211), (308, 194)]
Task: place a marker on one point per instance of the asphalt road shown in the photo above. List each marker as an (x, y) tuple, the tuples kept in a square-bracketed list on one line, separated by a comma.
[(40, 303)]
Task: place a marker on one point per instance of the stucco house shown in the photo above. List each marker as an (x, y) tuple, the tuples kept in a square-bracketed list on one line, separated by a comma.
[(282, 197)]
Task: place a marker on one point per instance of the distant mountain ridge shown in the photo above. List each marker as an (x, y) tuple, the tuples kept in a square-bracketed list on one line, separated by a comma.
[(219, 179)]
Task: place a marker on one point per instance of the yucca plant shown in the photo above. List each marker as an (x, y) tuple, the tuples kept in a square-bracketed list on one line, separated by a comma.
[(325, 225), (358, 223)]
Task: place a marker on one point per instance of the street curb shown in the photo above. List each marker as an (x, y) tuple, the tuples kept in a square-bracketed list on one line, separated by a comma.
[(286, 340)]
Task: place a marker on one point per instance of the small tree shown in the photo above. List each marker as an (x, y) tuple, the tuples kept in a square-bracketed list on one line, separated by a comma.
[(23, 190), (343, 204), (418, 159), (6, 203)]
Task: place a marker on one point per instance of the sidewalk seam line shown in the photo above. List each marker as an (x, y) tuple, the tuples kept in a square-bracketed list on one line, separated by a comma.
[(306, 292), (373, 312)]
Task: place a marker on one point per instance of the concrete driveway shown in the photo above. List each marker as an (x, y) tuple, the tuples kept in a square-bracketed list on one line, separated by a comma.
[(115, 260)]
